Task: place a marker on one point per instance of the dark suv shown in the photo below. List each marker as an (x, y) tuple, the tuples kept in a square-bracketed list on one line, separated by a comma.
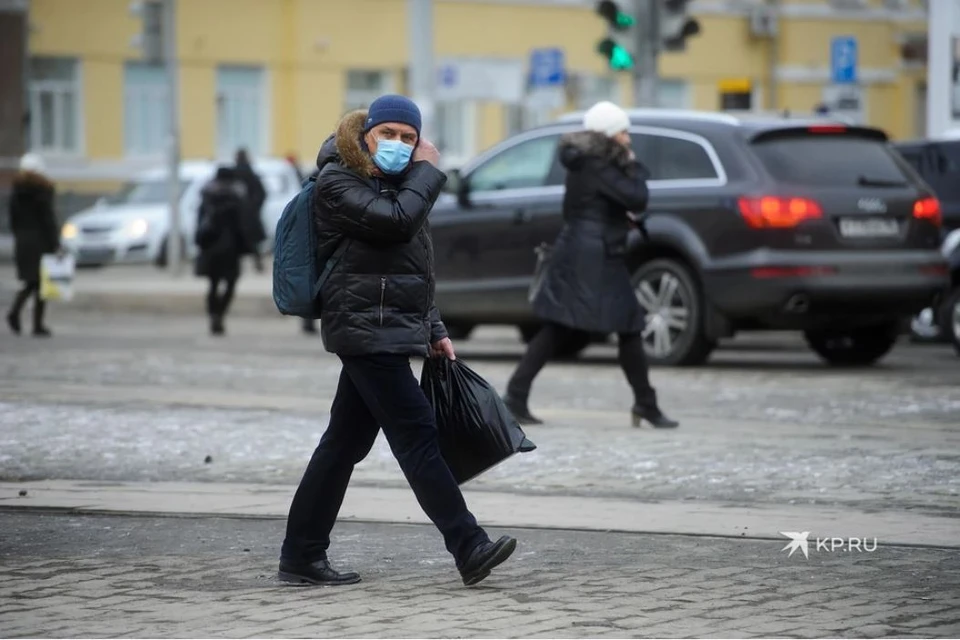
[(753, 224)]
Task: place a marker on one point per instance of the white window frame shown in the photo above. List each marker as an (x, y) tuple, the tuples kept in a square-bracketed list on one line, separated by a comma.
[(58, 87), (263, 96), (686, 94), (158, 93), (469, 117), (354, 98)]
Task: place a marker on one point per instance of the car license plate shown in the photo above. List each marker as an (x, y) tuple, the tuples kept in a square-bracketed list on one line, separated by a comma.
[(869, 228)]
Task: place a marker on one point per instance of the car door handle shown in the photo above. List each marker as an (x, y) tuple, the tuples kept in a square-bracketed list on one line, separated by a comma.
[(520, 216)]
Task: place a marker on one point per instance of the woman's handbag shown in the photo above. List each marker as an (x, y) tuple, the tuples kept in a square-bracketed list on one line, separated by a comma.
[(544, 254)]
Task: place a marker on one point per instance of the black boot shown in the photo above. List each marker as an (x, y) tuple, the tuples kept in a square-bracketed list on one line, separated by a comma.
[(13, 319), (318, 572), (216, 325), (39, 330), (484, 558), (653, 415), (518, 407)]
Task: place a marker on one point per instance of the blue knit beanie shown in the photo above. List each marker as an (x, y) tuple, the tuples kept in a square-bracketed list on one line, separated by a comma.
[(393, 108)]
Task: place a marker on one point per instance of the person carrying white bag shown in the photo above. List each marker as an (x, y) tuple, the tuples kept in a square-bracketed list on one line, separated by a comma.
[(35, 233)]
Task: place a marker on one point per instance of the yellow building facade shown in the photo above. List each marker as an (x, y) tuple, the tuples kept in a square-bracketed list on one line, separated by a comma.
[(275, 75)]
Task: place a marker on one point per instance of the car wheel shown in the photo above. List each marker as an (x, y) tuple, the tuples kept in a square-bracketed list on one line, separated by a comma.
[(950, 322), (673, 303), (858, 346), (570, 349)]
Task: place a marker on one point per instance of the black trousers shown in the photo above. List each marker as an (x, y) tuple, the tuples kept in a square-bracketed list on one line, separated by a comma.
[(219, 302), (377, 391), (544, 346), (39, 305)]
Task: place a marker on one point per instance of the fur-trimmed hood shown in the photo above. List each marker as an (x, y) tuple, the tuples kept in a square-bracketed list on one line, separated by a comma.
[(346, 146), (578, 147), (31, 180)]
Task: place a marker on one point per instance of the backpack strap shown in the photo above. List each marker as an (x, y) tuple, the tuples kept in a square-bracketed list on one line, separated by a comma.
[(328, 267)]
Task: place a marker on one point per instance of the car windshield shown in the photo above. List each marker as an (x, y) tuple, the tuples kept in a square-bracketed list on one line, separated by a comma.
[(145, 192), (835, 161)]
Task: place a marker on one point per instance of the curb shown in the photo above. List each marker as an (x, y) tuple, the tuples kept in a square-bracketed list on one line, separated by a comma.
[(249, 305)]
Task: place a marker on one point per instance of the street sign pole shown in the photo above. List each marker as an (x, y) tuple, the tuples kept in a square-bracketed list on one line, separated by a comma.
[(647, 48), (423, 74), (174, 257)]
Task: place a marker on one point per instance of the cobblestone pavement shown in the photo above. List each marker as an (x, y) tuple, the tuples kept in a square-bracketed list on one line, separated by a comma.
[(138, 398), (100, 576)]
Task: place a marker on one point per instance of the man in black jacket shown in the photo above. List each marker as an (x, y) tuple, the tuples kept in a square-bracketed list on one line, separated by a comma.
[(256, 195), (376, 185)]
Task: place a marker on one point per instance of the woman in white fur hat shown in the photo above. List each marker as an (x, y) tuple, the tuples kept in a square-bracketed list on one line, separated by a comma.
[(587, 284)]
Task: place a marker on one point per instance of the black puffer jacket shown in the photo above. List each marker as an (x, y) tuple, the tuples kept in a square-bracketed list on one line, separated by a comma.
[(221, 236), (379, 297), (33, 223), (588, 285)]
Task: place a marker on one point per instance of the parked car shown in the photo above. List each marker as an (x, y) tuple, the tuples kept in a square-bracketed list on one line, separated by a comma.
[(941, 321), (938, 163), (133, 225), (755, 223)]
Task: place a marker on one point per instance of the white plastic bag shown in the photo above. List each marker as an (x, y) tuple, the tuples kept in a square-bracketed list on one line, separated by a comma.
[(56, 276)]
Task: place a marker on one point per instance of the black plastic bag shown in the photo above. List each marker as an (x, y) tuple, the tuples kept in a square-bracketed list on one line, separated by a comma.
[(476, 430)]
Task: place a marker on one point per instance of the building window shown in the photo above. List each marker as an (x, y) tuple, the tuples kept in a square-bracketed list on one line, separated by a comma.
[(54, 103), (146, 114), (241, 107), (520, 117), (454, 123), (593, 89), (672, 94), (363, 87)]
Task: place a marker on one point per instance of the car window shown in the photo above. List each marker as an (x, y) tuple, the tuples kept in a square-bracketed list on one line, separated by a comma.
[(526, 164), (670, 158), (839, 161), (144, 192)]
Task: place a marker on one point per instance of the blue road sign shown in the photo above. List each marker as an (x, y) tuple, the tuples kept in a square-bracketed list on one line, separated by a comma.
[(843, 60), (547, 68), (447, 76)]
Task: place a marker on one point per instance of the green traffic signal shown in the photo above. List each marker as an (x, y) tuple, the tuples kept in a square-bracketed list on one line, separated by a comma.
[(617, 56), (625, 20)]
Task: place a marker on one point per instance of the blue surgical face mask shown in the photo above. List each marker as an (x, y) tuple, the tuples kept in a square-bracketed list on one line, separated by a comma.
[(392, 156)]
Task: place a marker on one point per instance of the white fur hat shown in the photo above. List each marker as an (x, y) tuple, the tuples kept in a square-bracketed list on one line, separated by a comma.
[(606, 118), (32, 162)]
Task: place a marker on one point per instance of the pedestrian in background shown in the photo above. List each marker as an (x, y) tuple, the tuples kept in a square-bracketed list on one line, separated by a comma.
[(376, 186), (222, 239), (253, 205), (33, 224), (586, 286)]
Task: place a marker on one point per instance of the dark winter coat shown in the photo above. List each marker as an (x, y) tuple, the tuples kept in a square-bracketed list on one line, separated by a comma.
[(256, 195), (587, 285), (379, 297), (33, 223), (220, 235)]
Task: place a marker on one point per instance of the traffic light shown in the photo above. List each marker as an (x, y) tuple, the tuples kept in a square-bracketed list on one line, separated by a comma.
[(150, 38), (618, 56), (676, 25)]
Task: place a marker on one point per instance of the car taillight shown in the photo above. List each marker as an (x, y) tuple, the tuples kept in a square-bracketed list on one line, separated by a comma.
[(768, 212), (927, 209)]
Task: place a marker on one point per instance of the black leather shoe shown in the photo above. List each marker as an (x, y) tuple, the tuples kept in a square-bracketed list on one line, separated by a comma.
[(485, 557), (318, 572), (520, 411), (654, 416)]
